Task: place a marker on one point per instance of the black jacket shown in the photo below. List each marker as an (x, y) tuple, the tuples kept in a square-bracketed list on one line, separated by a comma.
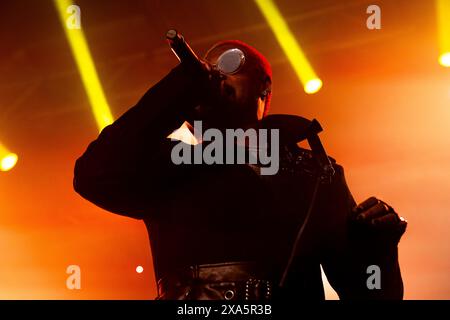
[(216, 213)]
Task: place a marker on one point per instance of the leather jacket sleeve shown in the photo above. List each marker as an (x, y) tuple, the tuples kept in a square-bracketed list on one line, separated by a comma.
[(127, 167), (347, 255)]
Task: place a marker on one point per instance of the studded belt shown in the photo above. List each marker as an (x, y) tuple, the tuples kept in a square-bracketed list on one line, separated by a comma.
[(221, 281)]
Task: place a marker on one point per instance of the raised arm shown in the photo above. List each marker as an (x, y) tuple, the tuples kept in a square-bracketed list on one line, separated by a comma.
[(128, 166)]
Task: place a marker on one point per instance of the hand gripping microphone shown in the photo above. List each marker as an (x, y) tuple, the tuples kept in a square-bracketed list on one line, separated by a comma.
[(181, 49)]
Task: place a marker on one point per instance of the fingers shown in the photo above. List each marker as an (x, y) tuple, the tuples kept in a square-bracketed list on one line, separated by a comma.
[(374, 212), (375, 217), (391, 225), (402, 226), (366, 204), (212, 71), (377, 213), (390, 219), (215, 74)]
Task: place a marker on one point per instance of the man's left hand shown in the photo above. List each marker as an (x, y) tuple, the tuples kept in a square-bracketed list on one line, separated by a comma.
[(374, 218)]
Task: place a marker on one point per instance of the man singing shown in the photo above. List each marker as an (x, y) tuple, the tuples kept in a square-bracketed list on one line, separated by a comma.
[(225, 231)]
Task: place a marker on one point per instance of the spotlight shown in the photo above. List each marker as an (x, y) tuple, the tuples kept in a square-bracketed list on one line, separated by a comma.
[(444, 59), (7, 159), (312, 86), (311, 83)]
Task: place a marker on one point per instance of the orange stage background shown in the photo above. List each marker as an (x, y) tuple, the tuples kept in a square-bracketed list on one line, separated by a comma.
[(385, 108)]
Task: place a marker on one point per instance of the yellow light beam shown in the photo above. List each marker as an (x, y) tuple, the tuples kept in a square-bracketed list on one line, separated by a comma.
[(443, 15), (86, 67), (311, 83), (7, 159)]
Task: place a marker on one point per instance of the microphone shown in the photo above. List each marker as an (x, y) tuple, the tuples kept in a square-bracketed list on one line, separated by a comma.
[(181, 49)]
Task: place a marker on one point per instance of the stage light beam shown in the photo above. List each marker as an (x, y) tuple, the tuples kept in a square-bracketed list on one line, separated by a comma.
[(7, 159), (443, 17), (311, 83), (86, 67)]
